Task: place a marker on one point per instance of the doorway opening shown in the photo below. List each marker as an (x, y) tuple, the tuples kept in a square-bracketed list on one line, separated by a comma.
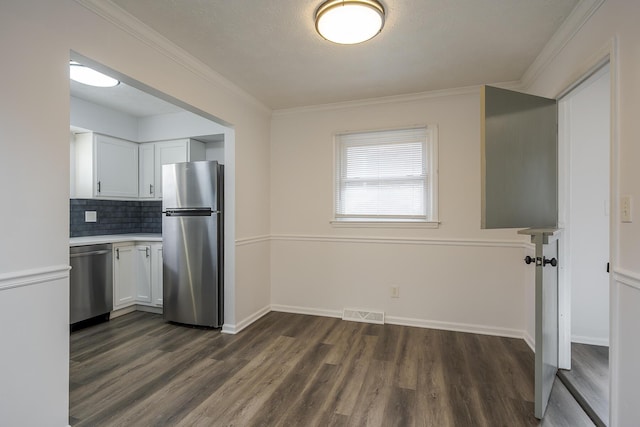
[(136, 115), (584, 148)]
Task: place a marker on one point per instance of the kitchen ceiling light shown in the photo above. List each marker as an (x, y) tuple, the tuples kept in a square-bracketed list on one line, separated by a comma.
[(89, 76), (349, 21)]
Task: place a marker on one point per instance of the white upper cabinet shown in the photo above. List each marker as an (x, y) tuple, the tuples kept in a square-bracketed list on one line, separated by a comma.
[(105, 167), (113, 168), (146, 171), (155, 154)]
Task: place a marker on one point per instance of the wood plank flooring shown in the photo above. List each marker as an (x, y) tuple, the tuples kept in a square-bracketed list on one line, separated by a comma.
[(588, 379), (296, 370)]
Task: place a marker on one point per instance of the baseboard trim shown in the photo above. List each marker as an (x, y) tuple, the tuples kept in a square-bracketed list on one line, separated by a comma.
[(455, 327), (590, 340), (33, 277), (122, 311), (306, 310), (392, 320), (406, 321), (149, 308), (529, 340), (244, 323)]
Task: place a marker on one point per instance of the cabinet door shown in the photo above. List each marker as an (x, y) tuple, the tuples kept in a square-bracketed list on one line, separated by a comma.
[(143, 273), (156, 274), (116, 163), (146, 175), (168, 152), (123, 276)]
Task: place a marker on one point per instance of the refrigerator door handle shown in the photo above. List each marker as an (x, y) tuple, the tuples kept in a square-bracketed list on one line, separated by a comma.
[(189, 212)]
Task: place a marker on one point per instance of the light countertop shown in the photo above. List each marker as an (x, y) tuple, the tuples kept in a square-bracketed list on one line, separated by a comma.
[(115, 238)]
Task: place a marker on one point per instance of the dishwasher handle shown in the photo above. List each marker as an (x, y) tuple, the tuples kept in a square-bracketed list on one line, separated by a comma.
[(91, 253)]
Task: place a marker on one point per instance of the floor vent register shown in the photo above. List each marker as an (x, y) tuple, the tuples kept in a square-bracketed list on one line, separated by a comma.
[(366, 316)]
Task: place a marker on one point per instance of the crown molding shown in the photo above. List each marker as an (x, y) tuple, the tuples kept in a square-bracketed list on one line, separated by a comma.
[(465, 90), (134, 27), (569, 28), (127, 22)]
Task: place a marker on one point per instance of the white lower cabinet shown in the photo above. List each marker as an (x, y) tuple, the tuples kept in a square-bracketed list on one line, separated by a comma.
[(156, 274), (124, 275), (143, 273), (137, 274)]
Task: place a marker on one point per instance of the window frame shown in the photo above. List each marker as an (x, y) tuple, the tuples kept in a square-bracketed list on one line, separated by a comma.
[(431, 202)]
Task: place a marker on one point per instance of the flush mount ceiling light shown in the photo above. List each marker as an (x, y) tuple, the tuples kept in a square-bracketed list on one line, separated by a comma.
[(349, 21), (88, 76)]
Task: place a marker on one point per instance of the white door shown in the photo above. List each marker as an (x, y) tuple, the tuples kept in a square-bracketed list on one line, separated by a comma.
[(519, 190), (588, 127)]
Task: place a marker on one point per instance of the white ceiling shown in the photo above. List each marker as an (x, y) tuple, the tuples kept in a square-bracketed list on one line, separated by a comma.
[(123, 98), (271, 50)]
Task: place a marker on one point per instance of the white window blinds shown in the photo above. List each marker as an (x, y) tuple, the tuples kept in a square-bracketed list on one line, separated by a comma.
[(383, 176)]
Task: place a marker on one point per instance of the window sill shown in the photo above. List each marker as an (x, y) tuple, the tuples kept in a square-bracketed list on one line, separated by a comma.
[(385, 224)]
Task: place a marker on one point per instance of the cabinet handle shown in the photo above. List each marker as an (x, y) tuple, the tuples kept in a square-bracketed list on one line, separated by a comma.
[(98, 186), (117, 253), (147, 251), (150, 188)]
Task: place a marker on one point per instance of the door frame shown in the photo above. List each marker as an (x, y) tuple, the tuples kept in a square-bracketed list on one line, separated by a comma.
[(607, 54)]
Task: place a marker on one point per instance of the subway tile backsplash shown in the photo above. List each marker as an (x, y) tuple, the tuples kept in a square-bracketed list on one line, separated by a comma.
[(115, 217)]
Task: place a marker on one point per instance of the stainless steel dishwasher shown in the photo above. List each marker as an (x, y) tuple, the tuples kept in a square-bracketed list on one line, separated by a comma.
[(91, 282)]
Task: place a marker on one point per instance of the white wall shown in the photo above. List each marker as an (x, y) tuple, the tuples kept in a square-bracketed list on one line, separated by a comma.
[(34, 172), (100, 119), (454, 277), (614, 28), (160, 127), (176, 125), (214, 150)]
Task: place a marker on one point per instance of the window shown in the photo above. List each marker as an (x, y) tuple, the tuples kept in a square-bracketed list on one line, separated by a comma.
[(386, 176)]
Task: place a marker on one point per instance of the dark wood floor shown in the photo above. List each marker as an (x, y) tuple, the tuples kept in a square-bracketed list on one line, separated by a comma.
[(296, 370), (588, 379)]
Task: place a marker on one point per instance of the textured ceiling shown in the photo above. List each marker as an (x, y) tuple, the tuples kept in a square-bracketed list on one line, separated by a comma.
[(271, 50)]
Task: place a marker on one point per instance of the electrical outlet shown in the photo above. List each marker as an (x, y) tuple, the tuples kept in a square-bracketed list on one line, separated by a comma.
[(626, 209), (90, 216), (395, 292)]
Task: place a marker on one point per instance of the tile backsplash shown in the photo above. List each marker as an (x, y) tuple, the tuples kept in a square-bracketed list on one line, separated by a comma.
[(115, 217)]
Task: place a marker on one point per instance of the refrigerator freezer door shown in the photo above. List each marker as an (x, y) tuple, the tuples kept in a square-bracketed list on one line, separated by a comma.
[(190, 185), (190, 271)]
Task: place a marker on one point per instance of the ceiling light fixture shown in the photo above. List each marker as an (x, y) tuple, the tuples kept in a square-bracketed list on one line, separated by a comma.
[(88, 76), (349, 21)]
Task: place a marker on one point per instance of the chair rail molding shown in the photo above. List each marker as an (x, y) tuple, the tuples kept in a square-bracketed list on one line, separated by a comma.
[(34, 276)]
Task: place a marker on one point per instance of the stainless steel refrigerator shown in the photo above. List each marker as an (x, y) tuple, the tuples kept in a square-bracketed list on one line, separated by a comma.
[(192, 243)]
